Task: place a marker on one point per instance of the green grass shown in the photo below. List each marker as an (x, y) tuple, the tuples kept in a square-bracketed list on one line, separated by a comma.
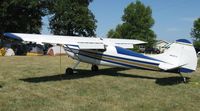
[(37, 84)]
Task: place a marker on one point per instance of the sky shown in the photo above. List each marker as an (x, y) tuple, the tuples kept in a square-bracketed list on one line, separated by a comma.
[(173, 18)]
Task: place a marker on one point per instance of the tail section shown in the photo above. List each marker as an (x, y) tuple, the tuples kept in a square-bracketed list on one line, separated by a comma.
[(188, 56), (181, 55)]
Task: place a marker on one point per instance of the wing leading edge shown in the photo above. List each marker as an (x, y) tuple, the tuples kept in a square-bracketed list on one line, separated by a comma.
[(82, 42)]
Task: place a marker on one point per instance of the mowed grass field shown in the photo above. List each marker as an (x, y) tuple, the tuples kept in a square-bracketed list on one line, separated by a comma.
[(37, 84)]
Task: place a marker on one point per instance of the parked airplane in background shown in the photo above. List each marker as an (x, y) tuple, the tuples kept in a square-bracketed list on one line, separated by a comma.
[(181, 56)]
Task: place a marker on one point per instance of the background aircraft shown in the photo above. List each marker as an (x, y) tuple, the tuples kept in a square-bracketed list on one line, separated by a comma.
[(180, 57)]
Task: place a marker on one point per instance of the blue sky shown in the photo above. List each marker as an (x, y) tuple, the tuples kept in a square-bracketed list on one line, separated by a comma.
[(173, 18)]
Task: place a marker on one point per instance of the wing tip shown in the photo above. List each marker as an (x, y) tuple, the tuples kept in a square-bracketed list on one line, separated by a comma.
[(11, 35)]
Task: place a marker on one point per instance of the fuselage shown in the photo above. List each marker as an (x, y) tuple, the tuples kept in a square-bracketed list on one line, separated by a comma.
[(113, 56)]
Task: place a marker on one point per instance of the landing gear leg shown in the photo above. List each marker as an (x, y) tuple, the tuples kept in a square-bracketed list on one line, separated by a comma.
[(184, 78), (71, 70), (94, 68)]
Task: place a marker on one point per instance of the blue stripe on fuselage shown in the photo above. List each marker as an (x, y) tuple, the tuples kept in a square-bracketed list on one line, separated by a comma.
[(133, 54)]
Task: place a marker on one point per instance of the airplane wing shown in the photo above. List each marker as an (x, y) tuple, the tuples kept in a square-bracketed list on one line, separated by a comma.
[(82, 42)]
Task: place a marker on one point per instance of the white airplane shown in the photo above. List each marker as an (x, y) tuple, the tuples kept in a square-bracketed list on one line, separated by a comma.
[(181, 55)]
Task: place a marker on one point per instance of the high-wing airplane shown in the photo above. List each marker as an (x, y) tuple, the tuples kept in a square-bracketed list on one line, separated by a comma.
[(180, 56)]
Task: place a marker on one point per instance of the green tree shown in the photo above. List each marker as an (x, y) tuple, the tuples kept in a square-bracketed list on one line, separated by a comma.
[(195, 33), (22, 16), (72, 17), (137, 23)]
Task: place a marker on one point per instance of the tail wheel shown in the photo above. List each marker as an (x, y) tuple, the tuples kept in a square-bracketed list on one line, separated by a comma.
[(69, 71), (94, 68)]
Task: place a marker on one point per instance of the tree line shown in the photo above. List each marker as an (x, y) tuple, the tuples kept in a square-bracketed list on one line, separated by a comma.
[(195, 33), (74, 18), (68, 17), (137, 24)]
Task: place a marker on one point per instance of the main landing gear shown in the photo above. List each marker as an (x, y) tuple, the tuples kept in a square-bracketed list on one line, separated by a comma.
[(184, 78), (70, 71)]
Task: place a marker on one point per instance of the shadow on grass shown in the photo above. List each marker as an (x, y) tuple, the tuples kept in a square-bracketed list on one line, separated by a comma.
[(171, 80), (110, 72), (1, 84)]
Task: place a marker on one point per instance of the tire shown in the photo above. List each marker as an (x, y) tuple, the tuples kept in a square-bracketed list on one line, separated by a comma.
[(94, 68), (69, 71)]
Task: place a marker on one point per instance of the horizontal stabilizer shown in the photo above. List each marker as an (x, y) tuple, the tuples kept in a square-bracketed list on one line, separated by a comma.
[(166, 66), (124, 43)]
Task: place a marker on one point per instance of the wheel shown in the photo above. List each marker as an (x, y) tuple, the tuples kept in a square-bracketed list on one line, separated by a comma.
[(69, 71), (94, 68), (184, 80)]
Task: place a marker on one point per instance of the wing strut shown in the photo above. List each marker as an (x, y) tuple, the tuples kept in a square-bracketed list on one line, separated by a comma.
[(72, 51)]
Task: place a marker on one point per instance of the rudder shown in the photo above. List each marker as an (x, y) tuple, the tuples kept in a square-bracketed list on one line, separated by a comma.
[(188, 56)]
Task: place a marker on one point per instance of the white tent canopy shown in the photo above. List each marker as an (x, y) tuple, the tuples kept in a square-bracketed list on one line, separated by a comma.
[(9, 52), (56, 50)]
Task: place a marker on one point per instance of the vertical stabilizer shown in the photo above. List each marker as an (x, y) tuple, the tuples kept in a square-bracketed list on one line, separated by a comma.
[(181, 55)]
